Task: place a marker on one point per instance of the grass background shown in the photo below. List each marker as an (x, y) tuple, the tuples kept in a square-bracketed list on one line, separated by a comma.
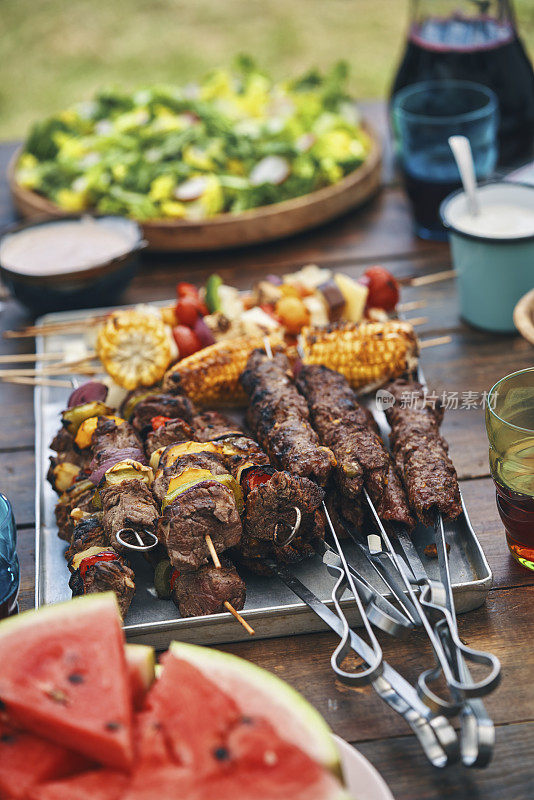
[(53, 53)]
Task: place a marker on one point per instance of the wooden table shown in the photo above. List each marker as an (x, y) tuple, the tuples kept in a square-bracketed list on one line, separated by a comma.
[(472, 362)]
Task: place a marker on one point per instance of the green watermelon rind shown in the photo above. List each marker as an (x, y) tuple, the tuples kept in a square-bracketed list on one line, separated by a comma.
[(316, 740)]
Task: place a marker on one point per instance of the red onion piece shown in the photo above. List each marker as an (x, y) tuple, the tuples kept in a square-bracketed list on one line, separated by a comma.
[(90, 392), (132, 453), (205, 336)]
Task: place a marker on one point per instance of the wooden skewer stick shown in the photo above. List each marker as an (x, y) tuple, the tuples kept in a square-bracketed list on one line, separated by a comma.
[(213, 552), (423, 280), (414, 321), (68, 326), (227, 605), (239, 618), (435, 342), (27, 381), (411, 305), (21, 358), (81, 365)]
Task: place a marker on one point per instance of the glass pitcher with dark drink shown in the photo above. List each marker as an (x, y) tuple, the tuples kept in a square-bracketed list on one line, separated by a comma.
[(475, 40)]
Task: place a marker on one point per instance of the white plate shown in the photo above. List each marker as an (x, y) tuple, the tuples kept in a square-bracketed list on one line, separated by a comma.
[(362, 779)]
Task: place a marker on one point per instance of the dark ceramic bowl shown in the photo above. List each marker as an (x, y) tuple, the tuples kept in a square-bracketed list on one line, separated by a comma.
[(97, 285)]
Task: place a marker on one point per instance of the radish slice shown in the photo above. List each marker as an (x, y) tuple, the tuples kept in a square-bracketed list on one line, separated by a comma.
[(191, 189), (271, 169)]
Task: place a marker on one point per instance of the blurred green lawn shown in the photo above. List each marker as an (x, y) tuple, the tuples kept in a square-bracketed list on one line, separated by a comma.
[(54, 53)]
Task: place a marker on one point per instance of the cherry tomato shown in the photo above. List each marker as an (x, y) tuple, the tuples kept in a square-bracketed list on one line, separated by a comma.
[(159, 422), (183, 288), (187, 310), (383, 288), (186, 340)]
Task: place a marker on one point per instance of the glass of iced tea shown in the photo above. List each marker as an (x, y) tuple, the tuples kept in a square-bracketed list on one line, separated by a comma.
[(9, 564), (510, 427)]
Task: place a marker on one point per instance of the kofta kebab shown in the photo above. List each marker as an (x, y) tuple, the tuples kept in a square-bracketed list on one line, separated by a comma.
[(199, 495)]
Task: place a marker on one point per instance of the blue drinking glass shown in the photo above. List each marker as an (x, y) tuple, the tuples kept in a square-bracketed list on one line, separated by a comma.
[(9, 563), (423, 117)]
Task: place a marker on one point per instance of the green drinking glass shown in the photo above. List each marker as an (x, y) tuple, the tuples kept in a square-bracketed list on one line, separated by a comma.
[(510, 428)]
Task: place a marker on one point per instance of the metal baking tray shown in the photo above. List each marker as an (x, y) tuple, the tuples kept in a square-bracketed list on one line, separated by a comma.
[(271, 608)]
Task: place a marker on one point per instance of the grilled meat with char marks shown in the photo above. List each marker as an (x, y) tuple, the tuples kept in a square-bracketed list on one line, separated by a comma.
[(206, 508), (161, 405), (178, 430), (253, 552), (279, 416), (362, 458), (103, 576), (110, 437), (421, 453), (210, 425), (87, 533), (82, 495), (273, 503), (129, 504), (206, 590), (209, 461)]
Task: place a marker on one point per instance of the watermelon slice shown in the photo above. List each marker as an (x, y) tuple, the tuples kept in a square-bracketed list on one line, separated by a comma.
[(141, 662), (196, 741), (99, 784), (259, 693), (27, 760), (64, 677)]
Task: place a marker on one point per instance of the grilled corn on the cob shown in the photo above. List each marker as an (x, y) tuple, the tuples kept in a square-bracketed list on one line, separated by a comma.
[(367, 354), (211, 376), (134, 348)]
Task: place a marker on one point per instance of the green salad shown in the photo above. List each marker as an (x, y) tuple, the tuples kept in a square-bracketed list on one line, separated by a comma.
[(234, 142)]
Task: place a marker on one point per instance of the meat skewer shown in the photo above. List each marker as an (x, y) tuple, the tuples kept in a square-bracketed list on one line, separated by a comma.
[(279, 416), (362, 459), (421, 453)]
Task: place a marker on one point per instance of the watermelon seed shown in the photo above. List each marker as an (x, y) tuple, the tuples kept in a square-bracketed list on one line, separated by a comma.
[(221, 754), (247, 721), (75, 677), (57, 695), (7, 738), (2, 705), (270, 758), (113, 726)]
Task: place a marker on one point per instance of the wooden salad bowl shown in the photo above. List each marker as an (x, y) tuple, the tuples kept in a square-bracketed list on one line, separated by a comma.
[(261, 224)]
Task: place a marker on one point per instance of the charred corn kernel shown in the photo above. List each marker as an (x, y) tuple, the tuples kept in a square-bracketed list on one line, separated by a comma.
[(134, 348), (211, 376), (367, 354)]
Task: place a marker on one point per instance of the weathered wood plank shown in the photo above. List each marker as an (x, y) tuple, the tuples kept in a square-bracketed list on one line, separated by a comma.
[(510, 776)]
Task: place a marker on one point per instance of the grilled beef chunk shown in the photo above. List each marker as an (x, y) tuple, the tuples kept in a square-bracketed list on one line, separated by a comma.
[(129, 504), (110, 437), (209, 461), (206, 508), (350, 432), (76, 497), (178, 430), (206, 590), (161, 405), (273, 503), (279, 416), (102, 576), (252, 552), (240, 450), (87, 533), (211, 424), (66, 453), (421, 453)]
